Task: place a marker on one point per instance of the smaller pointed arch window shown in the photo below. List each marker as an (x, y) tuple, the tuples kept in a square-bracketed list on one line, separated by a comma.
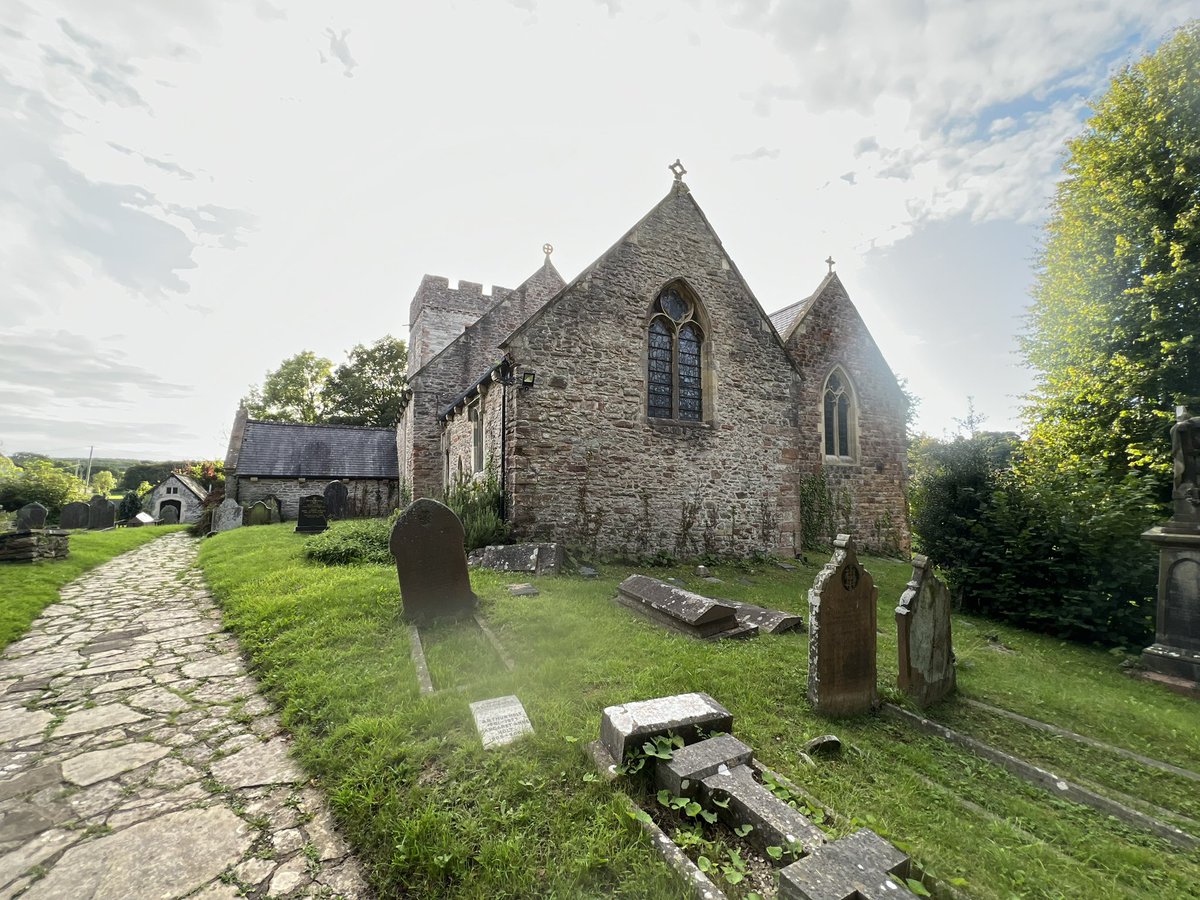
[(838, 417), (674, 384)]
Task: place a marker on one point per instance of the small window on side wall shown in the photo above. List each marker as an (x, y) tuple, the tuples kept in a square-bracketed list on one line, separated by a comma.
[(838, 416)]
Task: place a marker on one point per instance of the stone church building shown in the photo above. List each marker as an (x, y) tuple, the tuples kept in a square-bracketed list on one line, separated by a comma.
[(651, 404)]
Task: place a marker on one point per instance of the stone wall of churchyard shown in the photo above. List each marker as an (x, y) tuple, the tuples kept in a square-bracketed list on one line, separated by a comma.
[(190, 506), (869, 491), (458, 433), (589, 467), (366, 497)]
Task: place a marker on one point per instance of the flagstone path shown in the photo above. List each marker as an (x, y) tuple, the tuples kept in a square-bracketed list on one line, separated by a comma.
[(138, 760)]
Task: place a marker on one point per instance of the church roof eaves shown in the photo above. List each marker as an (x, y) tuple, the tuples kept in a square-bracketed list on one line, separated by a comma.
[(469, 393)]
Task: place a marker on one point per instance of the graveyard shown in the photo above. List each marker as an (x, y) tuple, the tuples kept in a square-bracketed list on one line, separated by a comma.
[(433, 813)]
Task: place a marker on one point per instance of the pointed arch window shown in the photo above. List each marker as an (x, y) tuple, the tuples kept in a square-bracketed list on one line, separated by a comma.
[(674, 385), (838, 417)]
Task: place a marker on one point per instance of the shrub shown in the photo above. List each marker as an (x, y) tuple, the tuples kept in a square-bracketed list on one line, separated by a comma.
[(479, 504), (352, 541), (131, 505)]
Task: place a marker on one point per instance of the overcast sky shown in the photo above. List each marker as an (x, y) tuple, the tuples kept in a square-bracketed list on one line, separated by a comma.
[(193, 190)]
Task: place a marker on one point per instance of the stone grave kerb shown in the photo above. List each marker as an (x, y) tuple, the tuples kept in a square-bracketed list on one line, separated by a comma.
[(923, 636), (841, 634), (428, 543)]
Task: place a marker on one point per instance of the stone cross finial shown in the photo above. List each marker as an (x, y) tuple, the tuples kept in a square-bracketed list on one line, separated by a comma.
[(829, 262), (678, 169), (547, 249)]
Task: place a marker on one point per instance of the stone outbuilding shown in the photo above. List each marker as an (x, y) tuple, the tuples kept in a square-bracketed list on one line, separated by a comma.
[(652, 404), (183, 492), (287, 461)]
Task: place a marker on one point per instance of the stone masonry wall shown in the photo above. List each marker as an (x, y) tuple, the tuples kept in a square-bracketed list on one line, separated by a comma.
[(873, 486), (366, 498), (190, 506), (438, 314), (458, 433), (586, 464)]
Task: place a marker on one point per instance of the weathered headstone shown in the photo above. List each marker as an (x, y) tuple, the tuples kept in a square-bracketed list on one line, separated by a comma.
[(431, 563), (259, 514), (336, 500), (537, 559), (102, 513), (923, 636), (169, 515), (841, 635), (631, 724), (861, 866), (311, 518), (680, 610), (229, 514), (500, 721), (31, 515), (73, 515), (275, 509), (1174, 657)]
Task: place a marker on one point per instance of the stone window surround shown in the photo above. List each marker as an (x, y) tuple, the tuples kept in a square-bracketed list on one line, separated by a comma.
[(852, 423), (699, 316)]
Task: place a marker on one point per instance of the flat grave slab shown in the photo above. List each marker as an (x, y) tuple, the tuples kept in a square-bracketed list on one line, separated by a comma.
[(628, 725), (681, 610), (500, 721)]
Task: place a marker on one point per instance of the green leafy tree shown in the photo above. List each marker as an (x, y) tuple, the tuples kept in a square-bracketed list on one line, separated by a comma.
[(8, 469), (292, 393), (103, 482), (131, 505), (1113, 329), (366, 388), (41, 481), (209, 472), (153, 472)]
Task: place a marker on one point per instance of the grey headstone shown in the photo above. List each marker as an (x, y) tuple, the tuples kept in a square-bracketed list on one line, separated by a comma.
[(923, 637), (775, 823), (500, 721), (31, 515), (862, 866), (102, 513), (629, 725), (74, 515), (275, 508), (841, 635), (259, 514), (824, 745), (336, 500), (771, 621), (228, 515), (700, 571), (695, 762), (682, 610), (169, 515), (536, 559), (431, 563), (587, 572), (311, 516)]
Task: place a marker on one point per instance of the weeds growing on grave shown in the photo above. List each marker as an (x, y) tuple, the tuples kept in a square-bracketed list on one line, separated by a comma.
[(432, 814)]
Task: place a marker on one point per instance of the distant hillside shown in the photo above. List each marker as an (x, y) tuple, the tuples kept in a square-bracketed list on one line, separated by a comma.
[(129, 472)]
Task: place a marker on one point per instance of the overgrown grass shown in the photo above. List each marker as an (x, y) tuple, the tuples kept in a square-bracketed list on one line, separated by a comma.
[(433, 815), (28, 588)]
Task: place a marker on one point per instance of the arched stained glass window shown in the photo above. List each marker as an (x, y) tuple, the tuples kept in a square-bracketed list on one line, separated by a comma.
[(838, 416), (675, 369)]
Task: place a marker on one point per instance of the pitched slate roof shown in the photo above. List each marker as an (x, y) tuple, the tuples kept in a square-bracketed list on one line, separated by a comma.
[(286, 450), (785, 319), (191, 484)]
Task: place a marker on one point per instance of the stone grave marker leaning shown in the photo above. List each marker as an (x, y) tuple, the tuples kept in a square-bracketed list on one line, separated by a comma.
[(336, 500), (841, 635), (1174, 657), (228, 515), (74, 515), (311, 518), (431, 563), (923, 636), (30, 516), (102, 513)]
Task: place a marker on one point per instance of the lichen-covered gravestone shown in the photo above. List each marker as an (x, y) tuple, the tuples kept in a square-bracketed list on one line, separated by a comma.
[(259, 514), (841, 635), (169, 515), (431, 563), (228, 515), (102, 513), (336, 500), (923, 636), (30, 516), (74, 515)]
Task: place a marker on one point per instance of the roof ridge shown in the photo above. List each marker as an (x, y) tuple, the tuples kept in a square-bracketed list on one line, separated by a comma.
[(318, 425)]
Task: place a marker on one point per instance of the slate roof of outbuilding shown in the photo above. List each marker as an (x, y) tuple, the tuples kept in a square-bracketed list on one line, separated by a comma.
[(286, 450), (191, 484)]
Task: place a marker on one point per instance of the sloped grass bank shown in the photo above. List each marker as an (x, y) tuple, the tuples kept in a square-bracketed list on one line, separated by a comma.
[(28, 588), (433, 815)]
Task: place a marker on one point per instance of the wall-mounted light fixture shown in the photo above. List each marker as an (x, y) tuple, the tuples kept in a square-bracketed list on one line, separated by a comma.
[(528, 378)]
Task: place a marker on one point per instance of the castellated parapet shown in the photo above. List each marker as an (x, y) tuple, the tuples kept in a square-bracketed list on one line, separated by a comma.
[(439, 313)]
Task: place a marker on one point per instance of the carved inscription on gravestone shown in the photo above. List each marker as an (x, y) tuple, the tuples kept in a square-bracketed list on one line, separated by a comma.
[(431, 563), (336, 500), (500, 721), (74, 515), (923, 636), (841, 625), (311, 517)]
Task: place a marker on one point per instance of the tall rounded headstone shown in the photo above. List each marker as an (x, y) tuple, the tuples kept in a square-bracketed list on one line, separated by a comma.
[(74, 515), (228, 515), (841, 635), (431, 562), (102, 513), (30, 516), (926, 670), (260, 514), (336, 500)]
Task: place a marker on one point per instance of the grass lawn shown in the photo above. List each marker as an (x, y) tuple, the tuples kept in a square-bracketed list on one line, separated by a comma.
[(433, 815), (28, 588)]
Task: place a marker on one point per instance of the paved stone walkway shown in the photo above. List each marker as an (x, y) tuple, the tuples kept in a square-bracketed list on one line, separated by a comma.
[(138, 760)]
